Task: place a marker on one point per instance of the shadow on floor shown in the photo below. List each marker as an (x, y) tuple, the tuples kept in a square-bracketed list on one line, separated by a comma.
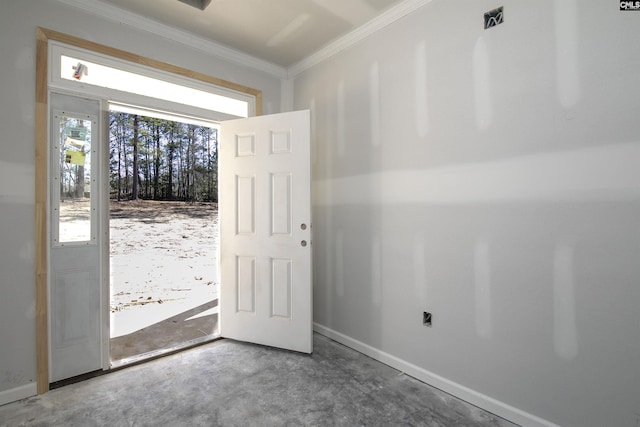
[(181, 328)]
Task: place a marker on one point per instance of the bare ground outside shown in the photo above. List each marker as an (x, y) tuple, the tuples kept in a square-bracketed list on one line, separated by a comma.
[(164, 279)]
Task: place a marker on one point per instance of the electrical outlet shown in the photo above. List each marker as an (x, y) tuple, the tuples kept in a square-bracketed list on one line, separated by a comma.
[(426, 318)]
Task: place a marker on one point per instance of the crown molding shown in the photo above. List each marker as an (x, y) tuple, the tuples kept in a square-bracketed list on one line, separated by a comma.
[(390, 16), (116, 14)]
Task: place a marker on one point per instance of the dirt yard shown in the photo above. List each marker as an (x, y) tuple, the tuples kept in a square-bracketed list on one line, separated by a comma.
[(162, 253), (163, 270)]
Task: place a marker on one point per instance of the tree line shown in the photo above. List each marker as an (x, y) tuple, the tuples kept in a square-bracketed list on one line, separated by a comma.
[(159, 159)]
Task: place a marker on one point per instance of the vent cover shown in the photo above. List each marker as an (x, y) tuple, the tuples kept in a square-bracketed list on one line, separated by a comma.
[(198, 4)]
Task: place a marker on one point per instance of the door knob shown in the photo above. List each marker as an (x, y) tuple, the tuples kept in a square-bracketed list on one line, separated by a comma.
[(303, 226), (303, 243)]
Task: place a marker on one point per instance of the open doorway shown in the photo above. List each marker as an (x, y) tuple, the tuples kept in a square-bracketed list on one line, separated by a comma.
[(164, 235), (66, 87)]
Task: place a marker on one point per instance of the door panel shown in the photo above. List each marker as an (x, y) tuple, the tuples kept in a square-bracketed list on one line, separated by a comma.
[(74, 287), (265, 217)]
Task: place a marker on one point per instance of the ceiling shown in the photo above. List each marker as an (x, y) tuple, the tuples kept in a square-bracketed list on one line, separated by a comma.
[(282, 32)]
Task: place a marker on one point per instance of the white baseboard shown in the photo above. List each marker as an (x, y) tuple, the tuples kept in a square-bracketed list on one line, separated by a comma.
[(480, 400), (17, 393)]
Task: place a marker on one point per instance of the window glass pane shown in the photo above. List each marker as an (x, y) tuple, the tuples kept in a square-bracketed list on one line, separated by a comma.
[(108, 77), (74, 219)]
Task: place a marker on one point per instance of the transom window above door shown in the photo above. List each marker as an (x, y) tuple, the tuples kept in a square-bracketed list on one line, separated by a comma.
[(77, 69)]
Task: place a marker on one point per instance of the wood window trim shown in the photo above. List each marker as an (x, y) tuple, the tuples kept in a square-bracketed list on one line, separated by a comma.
[(43, 36)]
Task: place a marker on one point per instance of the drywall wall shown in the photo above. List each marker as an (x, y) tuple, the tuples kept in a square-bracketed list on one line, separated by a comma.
[(18, 22), (491, 177)]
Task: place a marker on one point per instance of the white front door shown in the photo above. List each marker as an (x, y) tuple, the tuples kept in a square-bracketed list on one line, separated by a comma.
[(75, 296), (265, 218)]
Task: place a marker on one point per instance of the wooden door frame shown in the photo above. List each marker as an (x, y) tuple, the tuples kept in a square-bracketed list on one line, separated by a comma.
[(43, 36)]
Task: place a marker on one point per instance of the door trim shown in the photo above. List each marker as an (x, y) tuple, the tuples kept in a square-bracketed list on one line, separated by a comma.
[(43, 36)]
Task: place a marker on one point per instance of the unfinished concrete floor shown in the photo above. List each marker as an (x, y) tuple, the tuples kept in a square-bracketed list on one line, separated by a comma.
[(228, 383)]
